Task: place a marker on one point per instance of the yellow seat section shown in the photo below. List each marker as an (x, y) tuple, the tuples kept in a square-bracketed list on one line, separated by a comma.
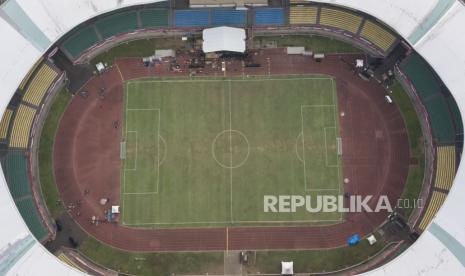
[(340, 19), (39, 85), (26, 78), (303, 15), (5, 123), (377, 35), (65, 259), (22, 127), (299, 2), (437, 199), (445, 167)]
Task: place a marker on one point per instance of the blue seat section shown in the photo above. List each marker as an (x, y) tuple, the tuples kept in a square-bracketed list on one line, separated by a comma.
[(269, 16), (222, 17), (192, 18)]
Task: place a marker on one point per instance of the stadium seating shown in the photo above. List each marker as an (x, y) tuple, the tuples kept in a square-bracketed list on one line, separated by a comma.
[(15, 167), (22, 125), (225, 17), (377, 35), (303, 15), (440, 119), (421, 76), (154, 18), (454, 109), (445, 167), (269, 16), (39, 85), (5, 123), (436, 201), (26, 79), (81, 41), (340, 19), (192, 18), (69, 262), (29, 212), (117, 24), (292, 2)]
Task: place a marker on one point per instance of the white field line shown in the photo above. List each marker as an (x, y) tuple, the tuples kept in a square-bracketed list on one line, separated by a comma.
[(302, 107), (137, 149), (336, 117), (222, 80), (303, 146), (235, 221), (158, 145), (326, 149), (230, 128), (231, 155)]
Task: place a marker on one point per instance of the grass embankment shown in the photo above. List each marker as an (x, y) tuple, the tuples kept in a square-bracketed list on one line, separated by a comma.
[(138, 48), (47, 181), (153, 263), (315, 43), (416, 172), (314, 261), (305, 261)]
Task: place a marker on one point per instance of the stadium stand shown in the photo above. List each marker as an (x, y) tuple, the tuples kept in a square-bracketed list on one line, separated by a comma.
[(454, 109), (340, 19), (62, 256), (303, 15), (292, 2), (5, 123), (39, 85), (22, 125), (29, 74), (154, 18), (15, 168), (28, 210), (117, 24), (420, 75), (377, 35), (16, 174), (81, 41), (436, 201), (269, 16), (445, 167), (192, 18), (440, 119), (225, 17), (444, 116)]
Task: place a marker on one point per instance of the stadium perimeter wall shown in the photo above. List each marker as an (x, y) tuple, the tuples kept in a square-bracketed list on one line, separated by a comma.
[(440, 46)]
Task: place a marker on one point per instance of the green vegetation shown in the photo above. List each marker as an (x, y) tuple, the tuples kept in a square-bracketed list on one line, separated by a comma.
[(206, 152), (416, 172), (312, 261), (47, 181), (153, 263), (138, 48), (305, 261), (315, 43)]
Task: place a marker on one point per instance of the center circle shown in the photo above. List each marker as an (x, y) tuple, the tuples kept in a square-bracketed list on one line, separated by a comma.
[(230, 149)]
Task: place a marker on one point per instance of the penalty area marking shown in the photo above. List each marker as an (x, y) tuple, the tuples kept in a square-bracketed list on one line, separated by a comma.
[(219, 163)]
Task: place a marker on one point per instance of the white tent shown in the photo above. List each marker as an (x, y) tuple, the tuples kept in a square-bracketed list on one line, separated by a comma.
[(287, 268), (224, 39)]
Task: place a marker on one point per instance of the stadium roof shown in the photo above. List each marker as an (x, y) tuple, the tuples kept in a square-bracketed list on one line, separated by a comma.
[(223, 39), (433, 27)]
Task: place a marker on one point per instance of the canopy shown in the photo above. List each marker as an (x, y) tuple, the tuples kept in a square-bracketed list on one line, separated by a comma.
[(287, 268), (224, 39)]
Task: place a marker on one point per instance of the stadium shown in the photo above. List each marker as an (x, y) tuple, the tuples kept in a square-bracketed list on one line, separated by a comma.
[(252, 137)]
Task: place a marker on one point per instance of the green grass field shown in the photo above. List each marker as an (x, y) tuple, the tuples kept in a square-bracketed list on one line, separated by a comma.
[(205, 152)]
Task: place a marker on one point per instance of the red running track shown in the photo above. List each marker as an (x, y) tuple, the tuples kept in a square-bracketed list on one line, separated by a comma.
[(87, 164)]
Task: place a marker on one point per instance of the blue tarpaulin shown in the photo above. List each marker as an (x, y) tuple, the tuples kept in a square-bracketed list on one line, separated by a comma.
[(353, 240)]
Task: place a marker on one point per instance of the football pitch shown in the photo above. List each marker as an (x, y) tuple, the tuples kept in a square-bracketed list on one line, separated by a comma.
[(205, 152)]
